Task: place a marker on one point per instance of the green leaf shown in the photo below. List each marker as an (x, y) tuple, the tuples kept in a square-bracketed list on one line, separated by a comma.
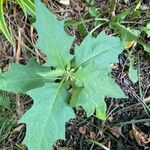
[(82, 30), (126, 34), (101, 110), (3, 26), (53, 40), (136, 14), (129, 35), (133, 73), (22, 78), (20, 2), (145, 46), (96, 85), (75, 94), (88, 74), (4, 102), (46, 119), (91, 2), (93, 11), (93, 58), (27, 6), (120, 17), (147, 29), (102, 50), (52, 74)]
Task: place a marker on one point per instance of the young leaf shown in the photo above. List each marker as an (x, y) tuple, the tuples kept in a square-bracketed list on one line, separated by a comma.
[(126, 34), (120, 17), (145, 46), (93, 11), (133, 71), (96, 85), (53, 40), (46, 119), (102, 50), (133, 74), (147, 29), (22, 78)]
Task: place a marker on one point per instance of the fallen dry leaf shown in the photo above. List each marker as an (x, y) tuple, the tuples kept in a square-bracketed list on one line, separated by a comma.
[(92, 135), (82, 130), (116, 131), (15, 131), (141, 138)]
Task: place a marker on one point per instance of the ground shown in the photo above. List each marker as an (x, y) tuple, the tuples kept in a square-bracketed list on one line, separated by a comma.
[(128, 125)]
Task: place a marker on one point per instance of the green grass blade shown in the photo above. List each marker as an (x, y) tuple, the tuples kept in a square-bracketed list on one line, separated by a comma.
[(3, 25), (20, 2), (134, 121), (30, 7), (98, 144), (27, 6)]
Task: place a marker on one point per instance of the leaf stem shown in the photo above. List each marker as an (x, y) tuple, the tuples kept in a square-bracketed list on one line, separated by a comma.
[(52, 74)]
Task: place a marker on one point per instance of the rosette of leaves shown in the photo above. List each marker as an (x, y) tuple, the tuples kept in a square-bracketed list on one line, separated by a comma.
[(83, 79)]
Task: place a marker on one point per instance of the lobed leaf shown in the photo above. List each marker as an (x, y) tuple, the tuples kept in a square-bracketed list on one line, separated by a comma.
[(53, 40), (22, 78), (46, 119), (96, 85), (102, 51)]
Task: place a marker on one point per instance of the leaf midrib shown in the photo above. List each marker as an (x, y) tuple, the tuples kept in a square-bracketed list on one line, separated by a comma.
[(52, 105), (61, 61), (95, 55)]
